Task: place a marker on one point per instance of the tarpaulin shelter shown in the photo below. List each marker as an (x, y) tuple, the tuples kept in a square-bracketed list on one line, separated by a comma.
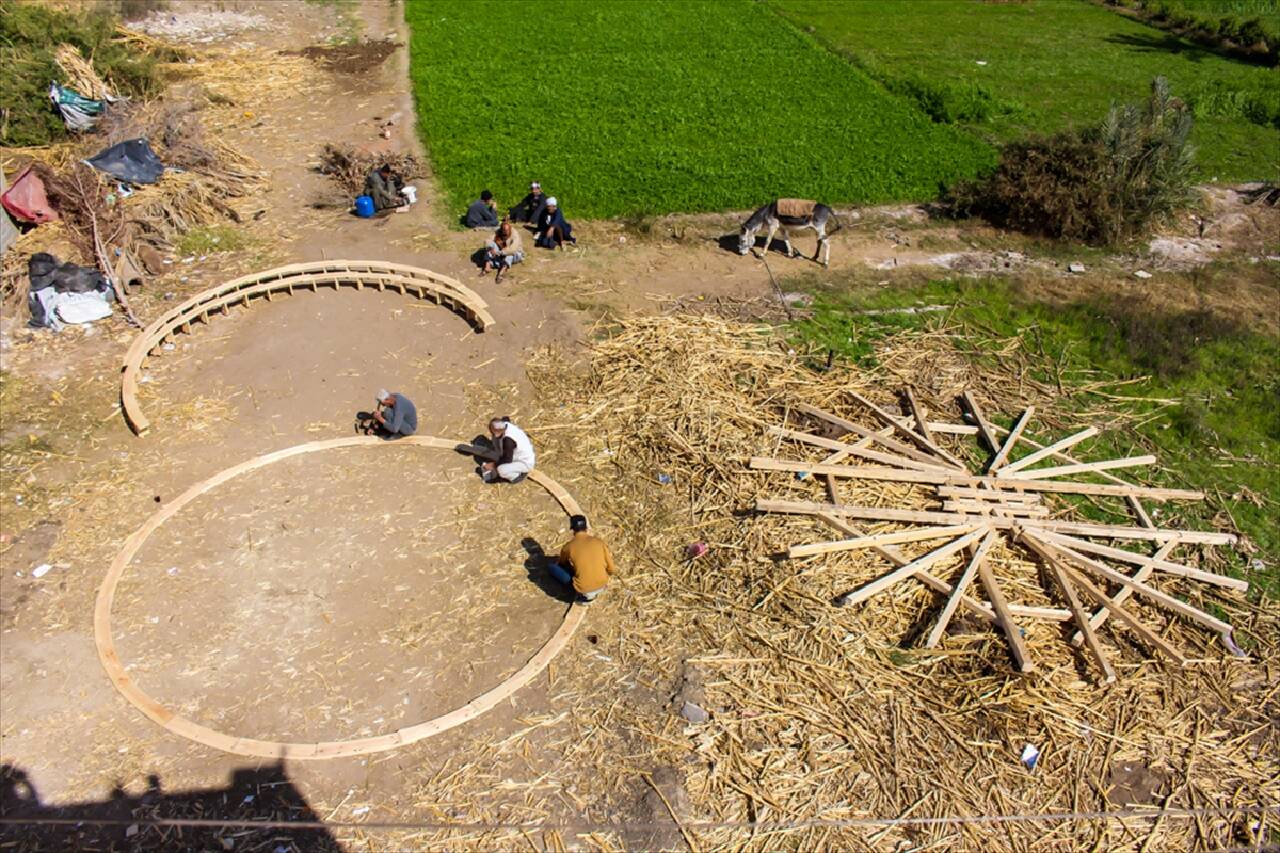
[(131, 161), (27, 201)]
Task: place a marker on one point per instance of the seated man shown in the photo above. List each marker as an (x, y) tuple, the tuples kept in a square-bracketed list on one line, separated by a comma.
[(383, 186), (483, 213), (552, 230), (515, 453), (585, 562), (504, 251), (395, 415), (530, 207)]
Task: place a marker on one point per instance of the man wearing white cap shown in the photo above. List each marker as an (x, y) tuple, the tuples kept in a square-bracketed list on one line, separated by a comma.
[(394, 415), (552, 232), (530, 207), (515, 453)]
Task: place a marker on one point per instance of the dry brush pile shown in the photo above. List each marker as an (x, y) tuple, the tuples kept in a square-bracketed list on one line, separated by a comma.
[(830, 714)]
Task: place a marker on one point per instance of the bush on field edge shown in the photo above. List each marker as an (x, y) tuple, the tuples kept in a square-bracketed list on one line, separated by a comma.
[(1101, 185)]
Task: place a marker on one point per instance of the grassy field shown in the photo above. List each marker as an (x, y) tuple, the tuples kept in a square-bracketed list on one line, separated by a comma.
[(630, 108), (1222, 436), (1048, 64)]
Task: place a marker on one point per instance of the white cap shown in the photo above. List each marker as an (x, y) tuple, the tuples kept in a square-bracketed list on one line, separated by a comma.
[(383, 394), (552, 202), (535, 186)]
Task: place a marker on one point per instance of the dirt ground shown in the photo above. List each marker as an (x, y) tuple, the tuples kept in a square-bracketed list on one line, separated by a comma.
[(339, 595)]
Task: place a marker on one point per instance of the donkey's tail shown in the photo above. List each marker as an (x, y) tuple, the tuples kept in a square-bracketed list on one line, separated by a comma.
[(836, 220)]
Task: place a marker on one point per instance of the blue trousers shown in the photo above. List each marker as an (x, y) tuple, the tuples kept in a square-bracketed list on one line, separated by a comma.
[(561, 574)]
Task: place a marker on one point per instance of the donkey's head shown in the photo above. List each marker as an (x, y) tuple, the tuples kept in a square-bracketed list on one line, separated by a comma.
[(746, 238)]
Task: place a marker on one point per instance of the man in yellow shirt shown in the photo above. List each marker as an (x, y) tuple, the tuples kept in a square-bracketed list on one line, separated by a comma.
[(585, 562)]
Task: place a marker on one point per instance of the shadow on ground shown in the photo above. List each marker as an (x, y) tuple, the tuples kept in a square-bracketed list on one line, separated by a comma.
[(126, 822)]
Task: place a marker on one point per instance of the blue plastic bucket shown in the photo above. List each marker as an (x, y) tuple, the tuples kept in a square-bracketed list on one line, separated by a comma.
[(364, 206)]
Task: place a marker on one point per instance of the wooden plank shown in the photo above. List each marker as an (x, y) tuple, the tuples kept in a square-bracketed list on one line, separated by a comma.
[(982, 494), (859, 448), (903, 572), (1100, 615), (917, 412), (1082, 468), (858, 429), (985, 508), (1011, 485), (1162, 598), (1010, 440), (984, 427), (1011, 629), (912, 436), (1141, 560), (872, 513), (1148, 636), (928, 517), (1050, 450), (891, 538), (1082, 620), (1155, 534), (957, 592)]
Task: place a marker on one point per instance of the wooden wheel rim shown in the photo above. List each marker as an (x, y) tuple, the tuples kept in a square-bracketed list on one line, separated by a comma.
[(179, 725)]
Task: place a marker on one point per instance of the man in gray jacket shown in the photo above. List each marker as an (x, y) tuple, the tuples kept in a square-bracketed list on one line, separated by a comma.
[(394, 416)]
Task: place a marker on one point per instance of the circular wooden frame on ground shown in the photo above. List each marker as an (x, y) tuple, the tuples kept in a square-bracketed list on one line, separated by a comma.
[(425, 284), (333, 749)]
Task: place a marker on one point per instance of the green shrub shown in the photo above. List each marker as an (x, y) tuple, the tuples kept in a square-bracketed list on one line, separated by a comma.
[(29, 34), (1100, 185)]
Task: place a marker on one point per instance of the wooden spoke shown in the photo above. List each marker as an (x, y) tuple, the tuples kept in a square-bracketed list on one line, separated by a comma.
[(903, 572), (1011, 439), (1130, 557), (957, 592), (1045, 452), (1011, 629), (916, 438), (915, 534), (1082, 619)]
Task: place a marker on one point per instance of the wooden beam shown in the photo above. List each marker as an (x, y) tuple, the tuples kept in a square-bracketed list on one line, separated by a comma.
[(927, 517), (917, 412), (858, 429), (903, 572), (915, 534), (1141, 560), (1009, 484), (912, 436), (970, 493), (1083, 468), (859, 448), (1082, 619), (1011, 629), (986, 508), (1162, 598), (984, 428), (957, 592), (1050, 450), (1148, 636), (1100, 615), (975, 607), (1010, 440)]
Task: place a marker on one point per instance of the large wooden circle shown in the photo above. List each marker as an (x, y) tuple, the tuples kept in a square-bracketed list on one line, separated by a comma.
[(333, 749)]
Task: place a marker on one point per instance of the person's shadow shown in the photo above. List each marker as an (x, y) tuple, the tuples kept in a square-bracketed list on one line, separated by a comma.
[(539, 576)]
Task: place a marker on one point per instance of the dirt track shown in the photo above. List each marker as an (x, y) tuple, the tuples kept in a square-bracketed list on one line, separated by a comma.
[(273, 376)]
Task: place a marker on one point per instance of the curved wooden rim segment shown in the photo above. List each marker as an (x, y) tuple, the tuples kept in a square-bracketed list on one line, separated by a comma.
[(424, 284), (332, 749)]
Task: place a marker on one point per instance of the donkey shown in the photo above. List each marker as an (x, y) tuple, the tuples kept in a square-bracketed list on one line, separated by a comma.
[(790, 215)]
